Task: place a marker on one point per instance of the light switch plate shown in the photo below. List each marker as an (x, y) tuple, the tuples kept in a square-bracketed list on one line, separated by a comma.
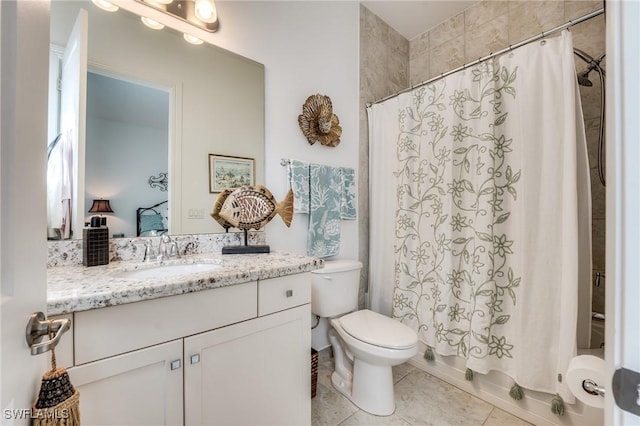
[(195, 213)]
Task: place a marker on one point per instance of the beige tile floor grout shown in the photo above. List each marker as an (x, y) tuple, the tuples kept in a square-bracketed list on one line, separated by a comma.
[(421, 399)]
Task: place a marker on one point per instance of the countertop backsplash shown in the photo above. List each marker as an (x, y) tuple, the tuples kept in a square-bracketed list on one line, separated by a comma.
[(69, 252)]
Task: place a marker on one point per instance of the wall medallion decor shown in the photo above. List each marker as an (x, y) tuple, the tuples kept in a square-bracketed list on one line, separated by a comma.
[(318, 122), (161, 181)]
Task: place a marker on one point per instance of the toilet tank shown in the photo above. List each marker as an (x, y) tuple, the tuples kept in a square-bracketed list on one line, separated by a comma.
[(334, 288)]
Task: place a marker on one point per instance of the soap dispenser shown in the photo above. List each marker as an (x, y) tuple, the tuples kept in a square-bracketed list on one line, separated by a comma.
[(95, 243)]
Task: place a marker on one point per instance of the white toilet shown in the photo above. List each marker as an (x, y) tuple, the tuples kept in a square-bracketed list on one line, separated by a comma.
[(365, 344)]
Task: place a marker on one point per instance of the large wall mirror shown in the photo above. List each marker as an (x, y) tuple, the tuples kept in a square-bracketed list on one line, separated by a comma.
[(154, 108)]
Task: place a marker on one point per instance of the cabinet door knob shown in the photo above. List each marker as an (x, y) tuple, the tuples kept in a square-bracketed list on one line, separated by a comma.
[(289, 293), (195, 358), (175, 364)]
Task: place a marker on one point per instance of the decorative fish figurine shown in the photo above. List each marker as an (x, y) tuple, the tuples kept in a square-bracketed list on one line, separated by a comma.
[(254, 206), (217, 206)]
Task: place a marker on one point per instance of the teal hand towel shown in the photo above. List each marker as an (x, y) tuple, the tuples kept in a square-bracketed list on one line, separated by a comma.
[(347, 193), (298, 178), (324, 211)]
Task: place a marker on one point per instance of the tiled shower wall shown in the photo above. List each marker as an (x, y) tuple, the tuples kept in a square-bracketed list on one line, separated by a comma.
[(486, 27), (384, 69)]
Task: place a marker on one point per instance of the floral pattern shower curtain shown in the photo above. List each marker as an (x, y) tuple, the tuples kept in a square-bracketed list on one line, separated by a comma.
[(491, 208), (456, 185)]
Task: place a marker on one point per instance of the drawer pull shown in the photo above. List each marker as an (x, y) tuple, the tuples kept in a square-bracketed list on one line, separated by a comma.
[(195, 358), (175, 364), (289, 293)]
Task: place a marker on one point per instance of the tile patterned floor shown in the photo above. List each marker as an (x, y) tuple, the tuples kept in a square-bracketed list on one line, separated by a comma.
[(421, 399)]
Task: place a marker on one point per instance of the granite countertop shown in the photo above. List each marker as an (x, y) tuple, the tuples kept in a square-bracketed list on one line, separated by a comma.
[(80, 288)]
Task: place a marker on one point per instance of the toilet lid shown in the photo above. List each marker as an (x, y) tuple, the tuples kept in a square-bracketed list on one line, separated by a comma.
[(379, 330)]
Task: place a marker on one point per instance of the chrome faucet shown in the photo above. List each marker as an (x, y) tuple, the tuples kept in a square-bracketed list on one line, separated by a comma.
[(149, 252), (167, 249)]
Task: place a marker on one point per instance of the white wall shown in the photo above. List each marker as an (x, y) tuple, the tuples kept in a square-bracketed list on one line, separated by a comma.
[(307, 47)]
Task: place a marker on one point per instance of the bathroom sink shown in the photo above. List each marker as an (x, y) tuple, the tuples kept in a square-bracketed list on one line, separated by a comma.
[(168, 270)]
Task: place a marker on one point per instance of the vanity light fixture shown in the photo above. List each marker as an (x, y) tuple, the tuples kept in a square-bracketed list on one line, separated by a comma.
[(191, 39), (154, 25), (206, 11), (105, 5), (199, 13)]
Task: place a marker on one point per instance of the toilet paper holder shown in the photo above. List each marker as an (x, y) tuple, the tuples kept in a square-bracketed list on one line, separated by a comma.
[(592, 387)]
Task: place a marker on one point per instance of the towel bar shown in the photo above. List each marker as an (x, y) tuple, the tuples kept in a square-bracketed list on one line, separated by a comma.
[(38, 327)]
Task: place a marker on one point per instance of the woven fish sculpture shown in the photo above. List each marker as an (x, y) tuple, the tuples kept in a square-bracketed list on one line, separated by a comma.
[(217, 206), (252, 207)]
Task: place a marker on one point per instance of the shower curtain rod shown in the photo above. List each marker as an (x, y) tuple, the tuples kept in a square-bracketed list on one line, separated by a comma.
[(494, 54)]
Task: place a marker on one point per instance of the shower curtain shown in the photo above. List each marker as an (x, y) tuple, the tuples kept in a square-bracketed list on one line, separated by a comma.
[(480, 213)]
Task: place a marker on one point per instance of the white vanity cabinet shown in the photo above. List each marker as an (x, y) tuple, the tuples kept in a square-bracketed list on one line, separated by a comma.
[(144, 387), (238, 354), (257, 372)]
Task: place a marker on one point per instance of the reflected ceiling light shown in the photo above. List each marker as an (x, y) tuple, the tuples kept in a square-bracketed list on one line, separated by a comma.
[(206, 11), (191, 39), (155, 25), (105, 5)]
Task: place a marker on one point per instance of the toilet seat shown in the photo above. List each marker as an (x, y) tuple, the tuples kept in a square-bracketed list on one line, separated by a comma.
[(378, 330)]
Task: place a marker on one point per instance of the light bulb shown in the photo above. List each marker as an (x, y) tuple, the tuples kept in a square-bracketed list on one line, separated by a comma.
[(191, 39), (155, 25), (206, 11), (105, 5)]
